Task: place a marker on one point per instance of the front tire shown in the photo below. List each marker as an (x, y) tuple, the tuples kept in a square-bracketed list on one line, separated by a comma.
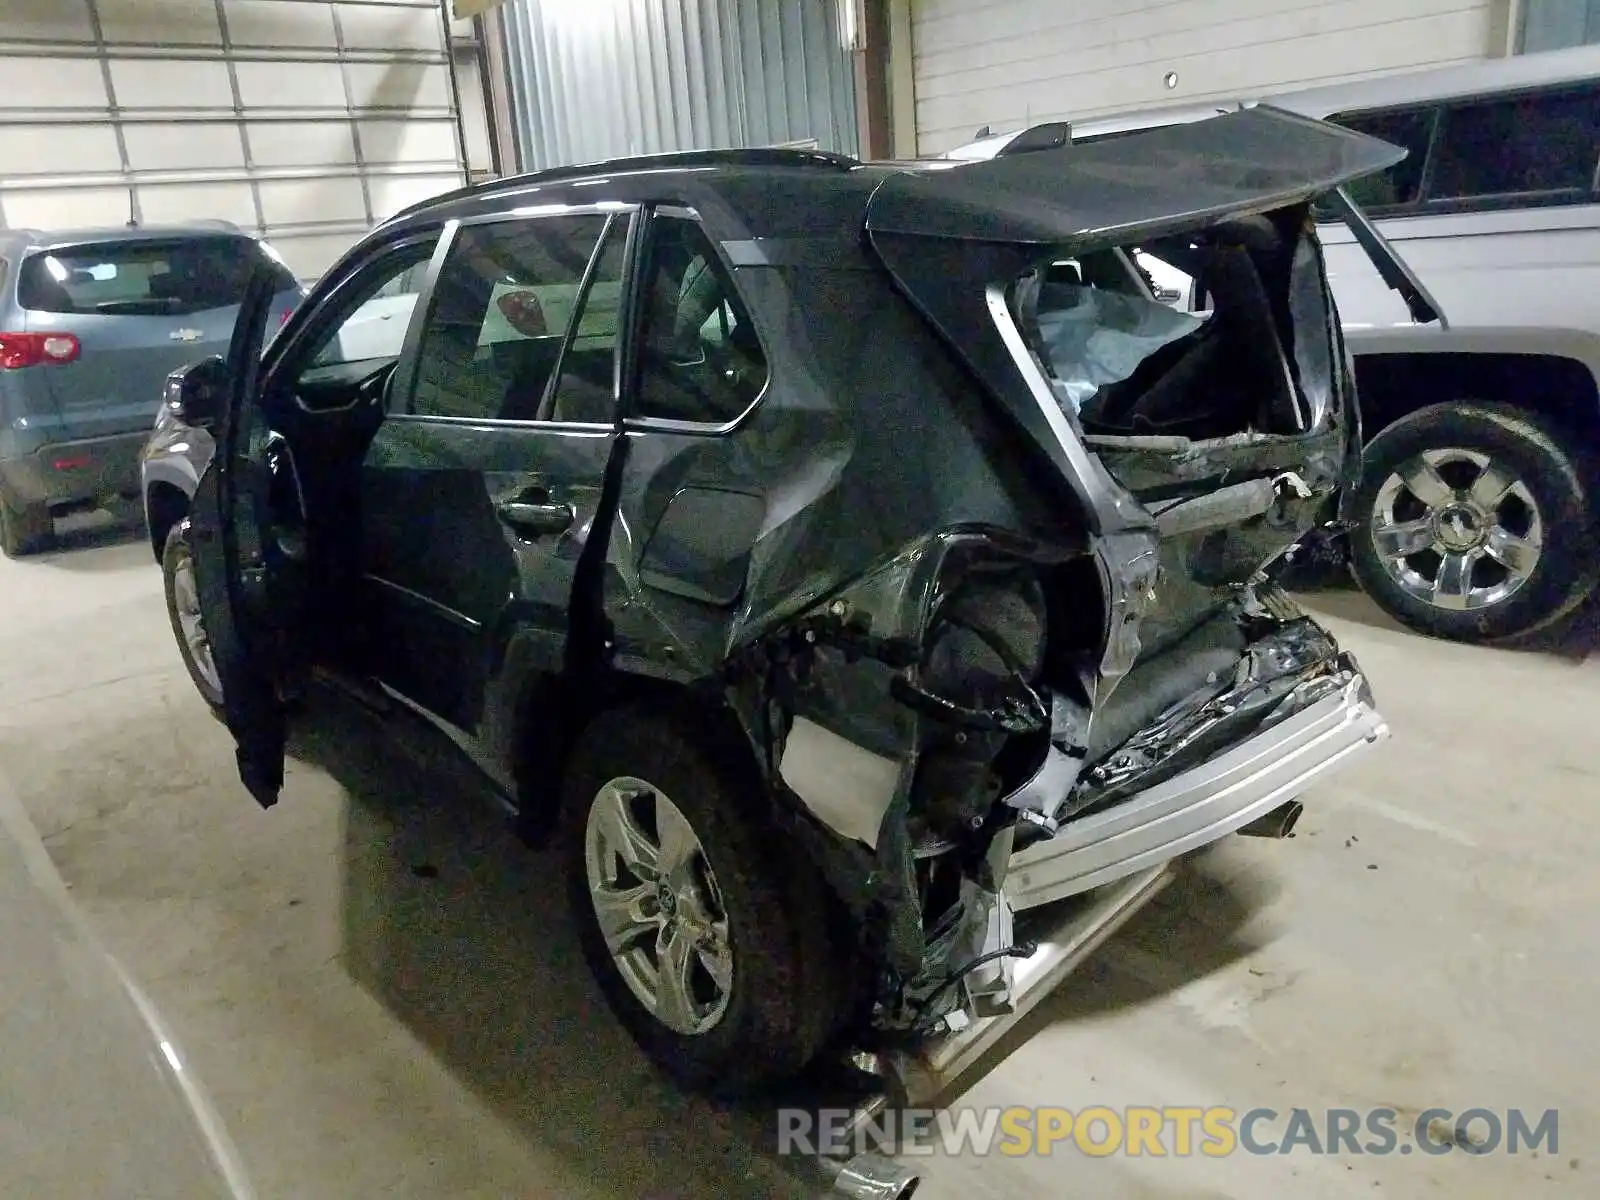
[(25, 528), (709, 941), (183, 612), (1473, 524)]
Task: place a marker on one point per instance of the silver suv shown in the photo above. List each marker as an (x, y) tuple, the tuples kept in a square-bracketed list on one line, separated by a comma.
[(91, 323)]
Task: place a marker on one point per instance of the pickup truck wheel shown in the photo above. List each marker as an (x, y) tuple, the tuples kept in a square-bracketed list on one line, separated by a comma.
[(25, 528), (183, 611), (711, 950), (1473, 524)]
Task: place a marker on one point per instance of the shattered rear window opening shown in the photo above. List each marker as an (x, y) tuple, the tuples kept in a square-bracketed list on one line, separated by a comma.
[(1244, 347)]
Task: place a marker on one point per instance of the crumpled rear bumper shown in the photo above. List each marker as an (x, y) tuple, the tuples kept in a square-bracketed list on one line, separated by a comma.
[(1204, 803)]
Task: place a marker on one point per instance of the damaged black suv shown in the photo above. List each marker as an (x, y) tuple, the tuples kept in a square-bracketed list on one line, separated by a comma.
[(849, 556)]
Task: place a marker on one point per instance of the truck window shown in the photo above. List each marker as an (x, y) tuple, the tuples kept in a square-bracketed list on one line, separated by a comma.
[(1401, 184), (1541, 147)]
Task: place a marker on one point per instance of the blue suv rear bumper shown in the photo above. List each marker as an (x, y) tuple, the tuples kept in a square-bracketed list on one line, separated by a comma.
[(64, 473)]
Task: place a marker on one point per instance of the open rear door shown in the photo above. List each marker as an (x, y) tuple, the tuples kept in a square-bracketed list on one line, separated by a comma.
[(236, 556)]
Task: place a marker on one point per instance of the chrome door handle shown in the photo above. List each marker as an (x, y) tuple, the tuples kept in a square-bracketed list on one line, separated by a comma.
[(535, 520)]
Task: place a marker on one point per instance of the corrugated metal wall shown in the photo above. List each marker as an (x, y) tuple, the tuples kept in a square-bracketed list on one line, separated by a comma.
[(1006, 63), (305, 120), (594, 79)]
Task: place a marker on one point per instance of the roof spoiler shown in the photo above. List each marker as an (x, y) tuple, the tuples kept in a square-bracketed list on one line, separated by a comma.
[(1395, 272)]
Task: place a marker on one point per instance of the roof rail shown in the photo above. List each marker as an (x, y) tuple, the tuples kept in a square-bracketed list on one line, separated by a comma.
[(1051, 135), (755, 156)]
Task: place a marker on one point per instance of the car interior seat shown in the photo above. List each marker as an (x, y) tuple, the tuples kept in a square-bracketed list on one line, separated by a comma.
[(1230, 375)]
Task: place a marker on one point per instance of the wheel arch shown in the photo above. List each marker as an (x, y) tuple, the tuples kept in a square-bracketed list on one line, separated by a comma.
[(554, 710), (1553, 377)]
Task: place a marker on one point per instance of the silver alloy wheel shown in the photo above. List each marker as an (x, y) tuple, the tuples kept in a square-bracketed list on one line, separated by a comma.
[(658, 905), (1457, 530), (186, 596)]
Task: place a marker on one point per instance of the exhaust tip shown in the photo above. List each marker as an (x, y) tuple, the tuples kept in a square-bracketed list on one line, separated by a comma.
[(1279, 823), (874, 1177)]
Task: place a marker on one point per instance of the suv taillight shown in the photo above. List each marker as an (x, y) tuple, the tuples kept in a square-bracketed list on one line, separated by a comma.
[(18, 350)]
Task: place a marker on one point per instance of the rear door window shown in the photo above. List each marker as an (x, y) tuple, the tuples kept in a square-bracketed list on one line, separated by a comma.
[(1501, 152), (700, 361), (145, 278)]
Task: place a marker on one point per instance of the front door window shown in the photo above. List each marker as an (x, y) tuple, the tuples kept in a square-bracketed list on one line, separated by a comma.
[(369, 324)]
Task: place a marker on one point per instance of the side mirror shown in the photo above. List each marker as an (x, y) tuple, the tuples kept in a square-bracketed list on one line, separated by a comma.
[(196, 394)]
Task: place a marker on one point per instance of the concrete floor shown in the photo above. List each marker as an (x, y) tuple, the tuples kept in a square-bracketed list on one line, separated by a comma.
[(381, 989)]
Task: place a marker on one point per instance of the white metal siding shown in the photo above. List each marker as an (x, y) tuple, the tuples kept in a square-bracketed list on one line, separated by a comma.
[(305, 120), (1008, 63)]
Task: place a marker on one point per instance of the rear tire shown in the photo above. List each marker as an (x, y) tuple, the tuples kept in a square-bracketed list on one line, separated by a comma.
[(1487, 470), (25, 528), (183, 598), (768, 910)]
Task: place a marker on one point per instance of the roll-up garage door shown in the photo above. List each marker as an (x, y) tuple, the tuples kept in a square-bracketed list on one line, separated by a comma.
[(1008, 63), (304, 120)]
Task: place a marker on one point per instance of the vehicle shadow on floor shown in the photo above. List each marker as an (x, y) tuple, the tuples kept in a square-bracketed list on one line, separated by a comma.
[(1198, 925), (122, 534), (462, 932), (1575, 638)]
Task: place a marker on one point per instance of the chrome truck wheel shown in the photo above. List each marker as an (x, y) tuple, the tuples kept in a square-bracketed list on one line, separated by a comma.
[(1457, 530), (1473, 523)]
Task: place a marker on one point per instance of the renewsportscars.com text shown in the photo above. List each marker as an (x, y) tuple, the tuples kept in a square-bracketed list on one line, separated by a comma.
[(1171, 1131)]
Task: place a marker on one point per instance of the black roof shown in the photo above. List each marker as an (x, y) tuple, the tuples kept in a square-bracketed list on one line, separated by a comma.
[(1044, 190)]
